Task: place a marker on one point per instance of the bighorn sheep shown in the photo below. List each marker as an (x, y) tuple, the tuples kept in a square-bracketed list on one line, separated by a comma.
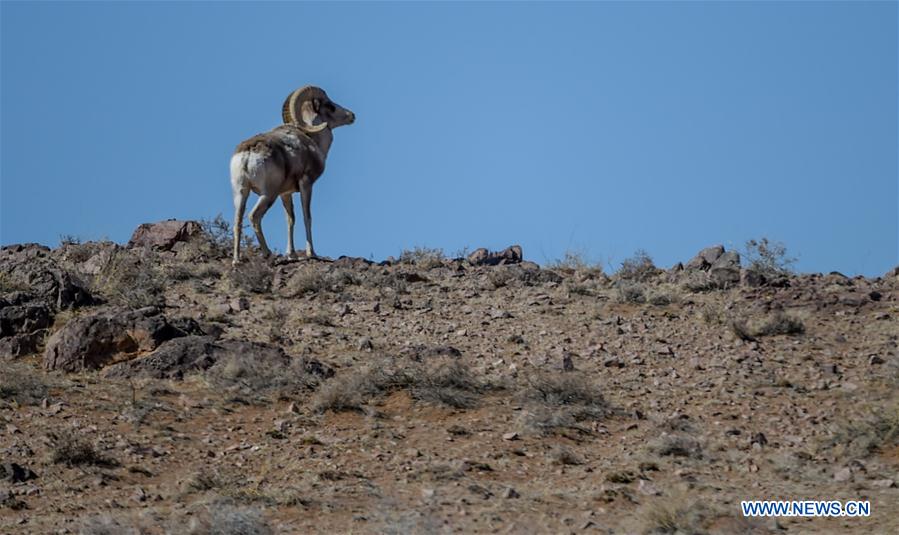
[(284, 160)]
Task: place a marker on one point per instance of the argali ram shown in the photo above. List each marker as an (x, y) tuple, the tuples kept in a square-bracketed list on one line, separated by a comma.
[(284, 160)]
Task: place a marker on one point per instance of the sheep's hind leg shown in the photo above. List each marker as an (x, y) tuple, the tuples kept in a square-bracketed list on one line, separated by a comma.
[(287, 201), (262, 206), (240, 204)]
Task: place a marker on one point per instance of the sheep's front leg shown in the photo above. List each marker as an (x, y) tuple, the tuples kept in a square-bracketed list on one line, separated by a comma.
[(306, 197), (262, 206), (287, 201), (240, 204)]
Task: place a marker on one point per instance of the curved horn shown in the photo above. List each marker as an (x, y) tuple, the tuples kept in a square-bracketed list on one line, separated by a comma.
[(291, 113)]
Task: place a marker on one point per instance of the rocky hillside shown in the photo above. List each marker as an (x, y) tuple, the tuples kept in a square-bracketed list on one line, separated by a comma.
[(153, 388)]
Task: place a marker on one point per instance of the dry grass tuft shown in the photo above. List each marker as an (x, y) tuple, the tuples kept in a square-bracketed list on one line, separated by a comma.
[(253, 275), (559, 401), (22, 384), (423, 257), (444, 381), (132, 278), (251, 378), (72, 450), (638, 268)]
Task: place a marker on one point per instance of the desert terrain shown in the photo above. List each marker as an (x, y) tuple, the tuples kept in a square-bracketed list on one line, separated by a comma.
[(152, 388)]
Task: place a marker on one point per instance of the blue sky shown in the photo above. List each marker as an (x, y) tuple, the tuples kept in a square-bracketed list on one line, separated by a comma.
[(601, 128)]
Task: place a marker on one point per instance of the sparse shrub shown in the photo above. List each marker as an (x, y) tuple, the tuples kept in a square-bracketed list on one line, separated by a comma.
[(72, 450), (500, 277), (577, 288), (22, 383), (305, 280), (317, 318), (444, 381), (277, 319), (768, 259), (741, 330), (107, 524), (253, 275), (423, 257), (350, 391), (218, 239), (859, 436), (630, 292), (563, 388), (559, 401), (780, 323), (574, 261), (676, 445), (311, 279), (249, 376), (222, 518), (660, 298), (775, 323), (679, 516), (638, 267), (564, 456), (69, 239), (132, 279), (9, 284), (674, 516)]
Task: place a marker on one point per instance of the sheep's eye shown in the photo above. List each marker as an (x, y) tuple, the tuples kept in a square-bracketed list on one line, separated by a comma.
[(332, 107)]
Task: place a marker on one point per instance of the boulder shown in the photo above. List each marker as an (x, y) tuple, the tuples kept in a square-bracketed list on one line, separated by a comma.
[(23, 319), (726, 269), (15, 473), (164, 234), (21, 344), (31, 267), (172, 360), (705, 258), (509, 255), (92, 342)]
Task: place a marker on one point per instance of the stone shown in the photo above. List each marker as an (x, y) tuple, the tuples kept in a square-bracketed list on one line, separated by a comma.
[(15, 473), (842, 475), (21, 344), (164, 234), (365, 344), (509, 255), (647, 488), (705, 258), (93, 341), (511, 494), (24, 319), (172, 360), (726, 269), (420, 352), (239, 304), (41, 278)]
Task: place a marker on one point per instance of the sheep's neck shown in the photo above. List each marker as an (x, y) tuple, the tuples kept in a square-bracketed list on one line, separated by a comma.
[(323, 140)]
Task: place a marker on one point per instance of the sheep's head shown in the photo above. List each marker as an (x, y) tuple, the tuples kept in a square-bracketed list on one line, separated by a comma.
[(310, 109)]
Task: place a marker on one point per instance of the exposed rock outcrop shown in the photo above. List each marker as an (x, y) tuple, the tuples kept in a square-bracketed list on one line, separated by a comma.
[(94, 341), (164, 234)]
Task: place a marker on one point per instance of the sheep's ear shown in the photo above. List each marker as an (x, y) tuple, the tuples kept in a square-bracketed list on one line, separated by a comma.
[(316, 104)]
